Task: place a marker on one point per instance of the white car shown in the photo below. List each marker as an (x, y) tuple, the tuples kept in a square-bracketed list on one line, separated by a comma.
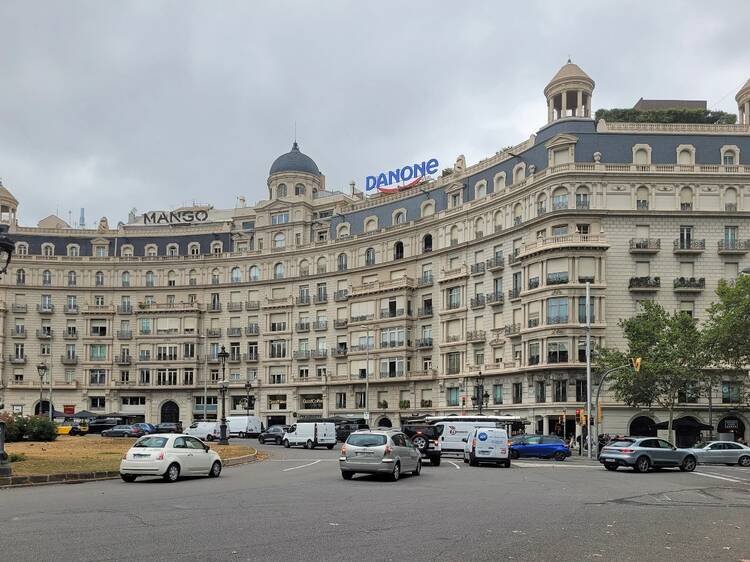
[(169, 456), (487, 445), (207, 431)]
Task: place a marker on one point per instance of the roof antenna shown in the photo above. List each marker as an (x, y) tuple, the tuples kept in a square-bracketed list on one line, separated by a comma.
[(569, 61), (295, 131)]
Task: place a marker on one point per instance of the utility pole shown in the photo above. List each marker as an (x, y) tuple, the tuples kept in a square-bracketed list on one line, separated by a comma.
[(367, 380), (588, 367)]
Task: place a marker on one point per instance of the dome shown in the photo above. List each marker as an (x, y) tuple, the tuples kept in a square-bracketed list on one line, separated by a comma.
[(745, 90), (294, 161), (568, 72)]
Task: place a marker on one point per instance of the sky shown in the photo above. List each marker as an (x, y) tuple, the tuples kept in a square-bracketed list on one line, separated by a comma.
[(155, 104)]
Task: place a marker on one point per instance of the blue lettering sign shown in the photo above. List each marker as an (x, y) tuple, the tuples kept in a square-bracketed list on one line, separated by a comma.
[(413, 173)]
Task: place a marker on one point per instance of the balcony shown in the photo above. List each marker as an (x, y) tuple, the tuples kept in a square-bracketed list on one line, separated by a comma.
[(514, 258), (454, 274), (512, 329), (476, 336), (557, 319), (425, 280), (566, 241), (340, 352), (123, 359), (362, 318), (69, 359), (533, 283), (392, 374), (558, 278), (19, 308), (425, 312), (234, 357), (689, 246), (340, 324), (45, 308), (497, 263), (302, 300), (303, 326), (514, 294), (124, 309), (252, 305), (18, 359), (645, 245), (583, 204), (70, 335), (235, 307), (689, 284), (251, 357), (124, 334), (319, 353), (454, 339), (390, 344), (213, 360), (423, 343), (478, 268), (252, 330), (214, 307), (71, 309), (341, 295), (234, 332), (19, 333), (213, 333), (644, 284), (495, 299), (320, 325), (478, 301), (734, 246), (395, 313), (320, 298), (357, 348), (44, 334)]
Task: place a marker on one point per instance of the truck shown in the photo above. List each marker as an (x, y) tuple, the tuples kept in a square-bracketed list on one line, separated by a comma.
[(310, 435), (244, 426)]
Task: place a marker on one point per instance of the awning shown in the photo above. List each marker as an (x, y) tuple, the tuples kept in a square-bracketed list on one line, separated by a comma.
[(686, 422), (83, 414)]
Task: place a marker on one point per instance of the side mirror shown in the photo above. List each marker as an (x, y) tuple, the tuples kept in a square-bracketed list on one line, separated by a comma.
[(465, 440), (206, 448)]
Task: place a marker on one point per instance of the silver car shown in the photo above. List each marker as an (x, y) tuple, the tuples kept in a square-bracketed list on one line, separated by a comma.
[(379, 451), (722, 452), (644, 453)]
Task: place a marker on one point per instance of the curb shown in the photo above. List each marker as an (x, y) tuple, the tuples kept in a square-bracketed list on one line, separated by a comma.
[(80, 477)]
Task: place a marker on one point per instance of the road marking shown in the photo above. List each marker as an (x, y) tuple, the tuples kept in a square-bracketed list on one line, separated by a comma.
[(556, 465), (301, 466), (454, 464), (707, 475), (302, 460)]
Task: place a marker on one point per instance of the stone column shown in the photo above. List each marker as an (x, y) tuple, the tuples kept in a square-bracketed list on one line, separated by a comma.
[(746, 113), (579, 105), (564, 104), (545, 425), (550, 109)]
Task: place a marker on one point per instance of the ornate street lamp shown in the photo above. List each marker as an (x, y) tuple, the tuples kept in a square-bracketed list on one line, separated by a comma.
[(248, 404), (223, 355), (480, 398), (42, 370), (6, 251)]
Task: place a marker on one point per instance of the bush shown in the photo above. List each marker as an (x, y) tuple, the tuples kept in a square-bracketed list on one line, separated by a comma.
[(40, 428), (15, 427), (16, 457), (706, 116)]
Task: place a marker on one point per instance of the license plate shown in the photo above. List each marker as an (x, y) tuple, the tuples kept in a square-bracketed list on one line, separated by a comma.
[(141, 456), (365, 453), (609, 460)]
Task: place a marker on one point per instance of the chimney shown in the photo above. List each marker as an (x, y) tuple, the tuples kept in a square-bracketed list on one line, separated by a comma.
[(352, 185)]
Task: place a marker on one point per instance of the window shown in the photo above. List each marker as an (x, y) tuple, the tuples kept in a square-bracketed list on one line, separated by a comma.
[(299, 189), (454, 297), (99, 279), (341, 262), (557, 310), (97, 376), (689, 395), (46, 277), (557, 352), (497, 394), (686, 237), (20, 277), (173, 250), (254, 273), (360, 400), (48, 250), (728, 159), (278, 349), (278, 271), (581, 390), (341, 400), (279, 240), (533, 353), (686, 199), (517, 392), (236, 275), (369, 256), (150, 279), (451, 397), (399, 217), (453, 362), (480, 190), (561, 391), (97, 402), (281, 190), (427, 243), (730, 392), (398, 250), (641, 198), (560, 199), (541, 391)]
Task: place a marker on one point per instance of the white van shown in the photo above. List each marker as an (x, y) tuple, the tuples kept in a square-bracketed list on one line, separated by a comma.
[(208, 431), (243, 426), (311, 435), (487, 444), (455, 432)]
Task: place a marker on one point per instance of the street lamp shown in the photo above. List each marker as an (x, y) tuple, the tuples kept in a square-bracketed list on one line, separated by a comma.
[(248, 388), (42, 370), (6, 251), (223, 355), (480, 398)]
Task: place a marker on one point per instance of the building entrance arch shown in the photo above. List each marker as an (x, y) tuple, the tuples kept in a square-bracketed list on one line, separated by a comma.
[(170, 412)]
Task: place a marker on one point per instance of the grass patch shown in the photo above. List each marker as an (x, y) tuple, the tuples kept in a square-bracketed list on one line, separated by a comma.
[(85, 454)]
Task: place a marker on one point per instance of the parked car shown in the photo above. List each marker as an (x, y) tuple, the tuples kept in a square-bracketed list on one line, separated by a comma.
[(487, 445), (644, 453), (208, 431), (169, 456), (379, 452), (310, 435), (147, 428), (69, 427), (722, 452), (169, 427), (274, 434), (123, 431), (426, 438), (539, 446)]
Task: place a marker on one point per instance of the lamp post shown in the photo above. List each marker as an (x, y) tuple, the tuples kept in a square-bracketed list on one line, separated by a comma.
[(480, 398), (248, 388), (6, 251), (223, 355), (42, 370)]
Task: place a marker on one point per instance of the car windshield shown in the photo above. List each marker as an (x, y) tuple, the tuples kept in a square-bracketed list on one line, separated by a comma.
[(122, 427), (620, 443), (151, 442), (366, 440)]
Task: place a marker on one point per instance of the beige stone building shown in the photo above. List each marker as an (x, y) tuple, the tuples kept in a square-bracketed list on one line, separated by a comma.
[(477, 275)]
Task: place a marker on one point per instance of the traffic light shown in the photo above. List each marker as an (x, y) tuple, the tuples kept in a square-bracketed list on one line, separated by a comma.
[(581, 417), (599, 416), (636, 363), (252, 403)]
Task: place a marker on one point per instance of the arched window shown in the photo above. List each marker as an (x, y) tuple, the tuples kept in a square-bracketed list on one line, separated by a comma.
[(519, 172), (728, 159), (125, 279), (640, 157), (150, 279), (399, 217), (321, 266), (281, 190), (21, 277), (428, 208), (74, 251), (173, 250), (499, 181), (72, 278), (22, 249), (254, 273), (730, 199), (126, 251), (582, 197), (370, 256), (278, 271), (194, 249), (217, 247), (454, 235), (341, 262), (427, 243), (517, 214), (299, 189), (279, 240), (171, 278), (480, 190), (304, 268), (236, 275), (641, 198), (151, 251), (99, 279), (498, 221), (193, 277), (371, 224), (342, 230), (686, 199), (730, 155), (48, 250), (215, 277), (46, 277), (398, 250), (541, 204), (479, 227), (686, 155), (559, 199)]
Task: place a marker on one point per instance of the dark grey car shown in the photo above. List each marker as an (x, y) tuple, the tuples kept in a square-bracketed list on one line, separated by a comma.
[(644, 453)]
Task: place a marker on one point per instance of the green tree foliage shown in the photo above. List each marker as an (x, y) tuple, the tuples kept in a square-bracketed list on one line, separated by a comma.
[(41, 428), (704, 116), (15, 427), (672, 352)]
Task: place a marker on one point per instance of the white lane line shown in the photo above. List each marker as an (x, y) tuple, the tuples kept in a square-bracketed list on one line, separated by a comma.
[(454, 464), (707, 475), (301, 466), (547, 465)]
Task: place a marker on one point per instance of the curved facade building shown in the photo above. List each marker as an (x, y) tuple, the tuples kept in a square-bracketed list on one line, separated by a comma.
[(477, 277)]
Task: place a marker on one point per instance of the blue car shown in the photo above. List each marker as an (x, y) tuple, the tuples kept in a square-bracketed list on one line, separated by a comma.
[(147, 427), (539, 446)]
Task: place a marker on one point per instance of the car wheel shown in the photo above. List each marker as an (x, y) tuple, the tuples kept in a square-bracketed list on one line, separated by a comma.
[(611, 467), (419, 468), (472, 461), (173, 473), (209, 437), (507, 463), (559, 456), (435, 461), (514, 454), (744, 461), (466, 461), (642, 464), (346, 475), (261, 441), (242, 435), (309, 445), (128, 477), (688, 464), (396, 472), (286, 443), (419, 442), (215, 470), (278, 440), (329, 447)]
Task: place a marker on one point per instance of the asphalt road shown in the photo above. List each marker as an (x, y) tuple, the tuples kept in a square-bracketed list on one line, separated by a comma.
[(296, 506)]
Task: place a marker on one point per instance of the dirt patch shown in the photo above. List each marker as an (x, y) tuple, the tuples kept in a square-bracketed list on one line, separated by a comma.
[(87, 454)]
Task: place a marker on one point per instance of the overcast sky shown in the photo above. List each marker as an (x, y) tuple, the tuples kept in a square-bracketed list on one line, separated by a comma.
[(111, 105)]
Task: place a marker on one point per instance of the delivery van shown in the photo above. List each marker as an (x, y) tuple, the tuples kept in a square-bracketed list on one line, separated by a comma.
[(455, 432), (244, 426), (311, 435), (487, 445), (205, 430)]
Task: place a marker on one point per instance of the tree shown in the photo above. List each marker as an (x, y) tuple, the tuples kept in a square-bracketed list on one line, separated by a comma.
[(672, 352)]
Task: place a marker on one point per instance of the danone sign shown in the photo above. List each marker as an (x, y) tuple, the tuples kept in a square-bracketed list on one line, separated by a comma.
[(401, 178), (175, 217)]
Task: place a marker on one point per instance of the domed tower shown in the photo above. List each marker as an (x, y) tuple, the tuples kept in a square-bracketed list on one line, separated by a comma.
[(743, 104), (8, 206), (569, 93), (294, 174)]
